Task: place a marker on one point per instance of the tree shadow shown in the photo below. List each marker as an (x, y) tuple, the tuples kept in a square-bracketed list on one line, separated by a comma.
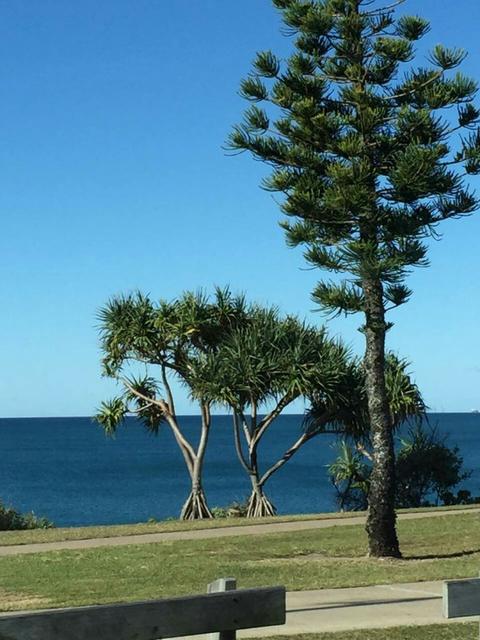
[(438, 556)]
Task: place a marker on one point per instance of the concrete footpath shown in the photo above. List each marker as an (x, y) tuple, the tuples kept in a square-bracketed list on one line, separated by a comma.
[(377, 607), (220, 532), (374, 607)]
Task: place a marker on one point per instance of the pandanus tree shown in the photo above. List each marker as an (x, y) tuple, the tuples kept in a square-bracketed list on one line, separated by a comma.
[(172, 342), (265, 365), (370, 153)]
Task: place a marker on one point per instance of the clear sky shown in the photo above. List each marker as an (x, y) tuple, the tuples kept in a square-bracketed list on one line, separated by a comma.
[(113, 115)]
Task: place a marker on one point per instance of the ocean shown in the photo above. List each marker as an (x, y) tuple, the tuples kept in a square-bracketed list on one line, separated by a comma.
[(67, 470)]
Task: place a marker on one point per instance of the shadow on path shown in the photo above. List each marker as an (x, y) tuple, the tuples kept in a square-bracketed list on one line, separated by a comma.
[(363, 603)]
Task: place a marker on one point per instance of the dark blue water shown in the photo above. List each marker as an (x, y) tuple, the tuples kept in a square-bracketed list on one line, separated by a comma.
[(67, 470)]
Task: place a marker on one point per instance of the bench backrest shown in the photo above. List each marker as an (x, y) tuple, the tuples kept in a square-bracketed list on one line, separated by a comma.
[(212, 612)]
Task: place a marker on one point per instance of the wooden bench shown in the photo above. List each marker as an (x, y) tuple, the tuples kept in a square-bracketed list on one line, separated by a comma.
[(224, 609)]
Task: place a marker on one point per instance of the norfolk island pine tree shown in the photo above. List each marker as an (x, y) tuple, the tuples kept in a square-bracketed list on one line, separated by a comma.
[(370, 152)]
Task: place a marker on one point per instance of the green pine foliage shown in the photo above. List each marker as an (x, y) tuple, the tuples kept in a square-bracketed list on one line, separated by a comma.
[(369, 151)]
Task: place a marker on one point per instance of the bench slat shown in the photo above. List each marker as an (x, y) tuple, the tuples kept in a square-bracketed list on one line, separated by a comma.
[(231, 610)]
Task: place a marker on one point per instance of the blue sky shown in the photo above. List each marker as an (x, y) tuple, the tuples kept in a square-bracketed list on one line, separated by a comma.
[(113, 115)]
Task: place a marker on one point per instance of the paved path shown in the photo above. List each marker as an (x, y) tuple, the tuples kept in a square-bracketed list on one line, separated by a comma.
[(382, 606), (360, 608), (221, 532)]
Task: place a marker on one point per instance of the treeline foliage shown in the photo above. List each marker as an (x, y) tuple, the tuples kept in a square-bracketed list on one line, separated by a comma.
[(11, 519), (427, 472), (244, 358)]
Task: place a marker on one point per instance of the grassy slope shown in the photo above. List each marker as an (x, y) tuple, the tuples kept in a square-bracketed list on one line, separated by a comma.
[(431, 632), (436, 548), (109, 531)]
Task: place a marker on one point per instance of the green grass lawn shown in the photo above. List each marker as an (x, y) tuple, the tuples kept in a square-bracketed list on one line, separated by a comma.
[(430, 632), (434, 548), (109, 531)]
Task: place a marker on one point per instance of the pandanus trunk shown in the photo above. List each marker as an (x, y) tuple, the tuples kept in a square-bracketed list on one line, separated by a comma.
[(196, 506), (258, 505), (382, 535)]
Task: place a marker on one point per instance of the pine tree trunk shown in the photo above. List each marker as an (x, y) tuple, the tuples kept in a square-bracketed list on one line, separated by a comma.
[(382, 535), (258, 505)]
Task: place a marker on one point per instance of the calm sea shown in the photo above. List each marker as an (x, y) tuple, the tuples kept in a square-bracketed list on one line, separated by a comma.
[(67, 470)]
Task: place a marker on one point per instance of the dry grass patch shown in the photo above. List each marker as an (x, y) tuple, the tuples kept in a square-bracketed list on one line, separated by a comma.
[(17, 601)]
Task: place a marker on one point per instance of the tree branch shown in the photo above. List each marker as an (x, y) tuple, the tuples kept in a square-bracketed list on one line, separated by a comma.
[(305, 437), (168, 389), (185, 446), (267, 421), (238, 444)]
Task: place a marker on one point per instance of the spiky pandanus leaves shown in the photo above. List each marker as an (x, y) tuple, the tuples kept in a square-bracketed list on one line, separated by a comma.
[(349, 475), (370, 153), (138, 398), (270, 357), (350, 417)]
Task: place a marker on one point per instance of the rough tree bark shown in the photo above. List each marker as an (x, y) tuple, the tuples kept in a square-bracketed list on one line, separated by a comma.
[(382, 535)]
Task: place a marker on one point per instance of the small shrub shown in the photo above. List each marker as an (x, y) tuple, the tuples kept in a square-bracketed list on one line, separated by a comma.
[(234, 510), (350, 476), (13, 520), (427, 468)]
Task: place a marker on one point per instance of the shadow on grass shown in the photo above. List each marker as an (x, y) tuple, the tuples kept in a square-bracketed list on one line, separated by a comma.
[(444, 556)]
